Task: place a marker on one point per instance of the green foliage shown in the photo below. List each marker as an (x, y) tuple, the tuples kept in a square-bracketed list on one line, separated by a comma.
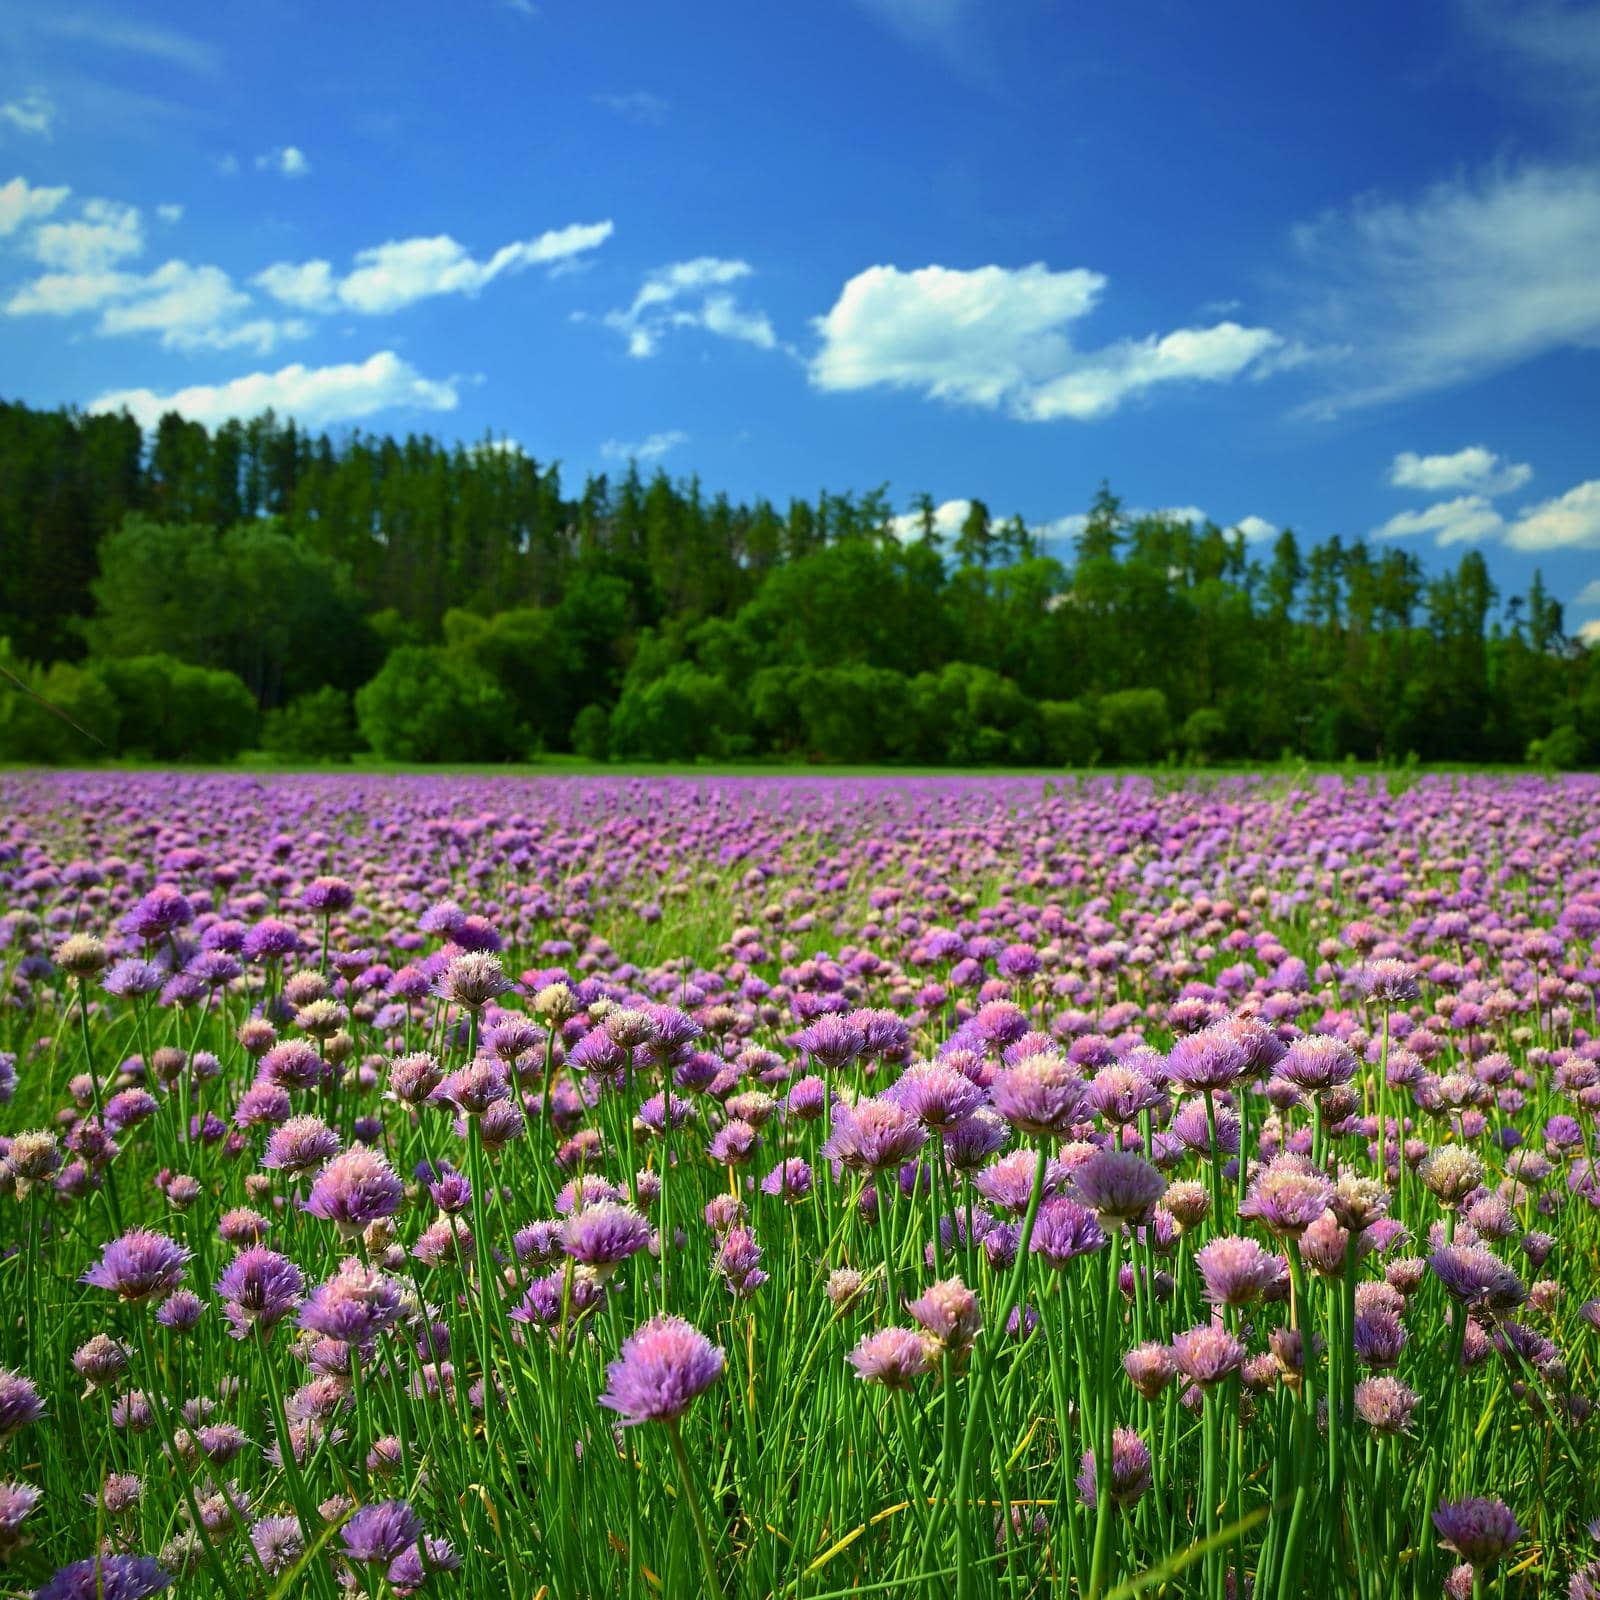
[(1135, 725), (319, 726), (59, 716), (252, 600), (1204, 732), (591, 734), (834, 631), (682, 715), (169, 710), (428, 704), (1561, 750)]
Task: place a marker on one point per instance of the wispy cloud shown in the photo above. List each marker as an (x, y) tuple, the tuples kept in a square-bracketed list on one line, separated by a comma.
[(288, 161), (126, 34), (313, 396), (402, 271), (1471, 277), (650, 448), (640, 106), (691, 294), (32, 114)]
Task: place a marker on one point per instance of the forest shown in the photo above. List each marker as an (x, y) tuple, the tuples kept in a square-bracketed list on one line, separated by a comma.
[(256, 587)]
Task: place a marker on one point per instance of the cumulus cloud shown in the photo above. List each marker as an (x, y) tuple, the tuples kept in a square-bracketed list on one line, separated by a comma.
[(33, 114), (1467, 279), (402, 271), (1257, 530), (947, 520), (22, 203), (1000, 338), (1467, 519), (1475, 468), (105, 232), (1569, 522), (288, 161), (1589, 633), (650, 448), (313, 396), (691, 294)]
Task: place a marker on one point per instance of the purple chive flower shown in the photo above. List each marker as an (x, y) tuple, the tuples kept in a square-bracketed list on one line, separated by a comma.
[(132, 979), (20, 1404), (1388, 981), (409, 1571), (789, 1180), (1287, 1197), (893, 1357), (1130, 1471), (936, 1094), (663, 1367), (1065, 1230), (258, 1289), (1118, 1184), (17, 1504), (139, 1266), (279, 1543), (604, 1234), (1214, 1058), (120, 1577), (376, 1534), (1385, 1404), (474, 979), (1039, 1094), (300, 1144), (873, 1136), (1480, 1531), (950, 1315), (1477, 1278), (739, 1263), (832, 1042), (354, 1306), (1150, 1368), (1207, 1354), (1237, 1269), (355, 1189)]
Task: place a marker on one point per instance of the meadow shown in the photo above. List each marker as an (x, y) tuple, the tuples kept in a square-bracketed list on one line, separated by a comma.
[(783, 1186)]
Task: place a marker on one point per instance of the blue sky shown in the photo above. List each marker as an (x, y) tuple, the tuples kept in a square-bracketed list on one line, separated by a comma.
[(1335, 267)]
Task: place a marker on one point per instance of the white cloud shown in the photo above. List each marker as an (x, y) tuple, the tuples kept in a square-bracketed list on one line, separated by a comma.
[(998, 337), (188, 307), (64, 294), (1256, 530), (288, 161), (33, 113), (1589, 633), (947, 520), (106, 232), (1569, 522), (307, 285), (403, 271), (691, 294), (1471, 277), (639, 106), (1588, 596), (22, 203), (650, 448), (1467, 519), (169, 213), (313, 396), (102, 31), (1475, 468)]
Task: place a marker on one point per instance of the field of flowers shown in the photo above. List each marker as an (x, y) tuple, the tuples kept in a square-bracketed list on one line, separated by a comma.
[(798, 1188)]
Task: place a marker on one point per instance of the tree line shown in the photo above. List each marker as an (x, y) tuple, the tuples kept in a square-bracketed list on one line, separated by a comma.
[(205, 591)]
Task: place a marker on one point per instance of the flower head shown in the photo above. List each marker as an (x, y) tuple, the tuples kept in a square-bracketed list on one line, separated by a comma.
[(139, 1266), (663, 1367), (1480, 1531)]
